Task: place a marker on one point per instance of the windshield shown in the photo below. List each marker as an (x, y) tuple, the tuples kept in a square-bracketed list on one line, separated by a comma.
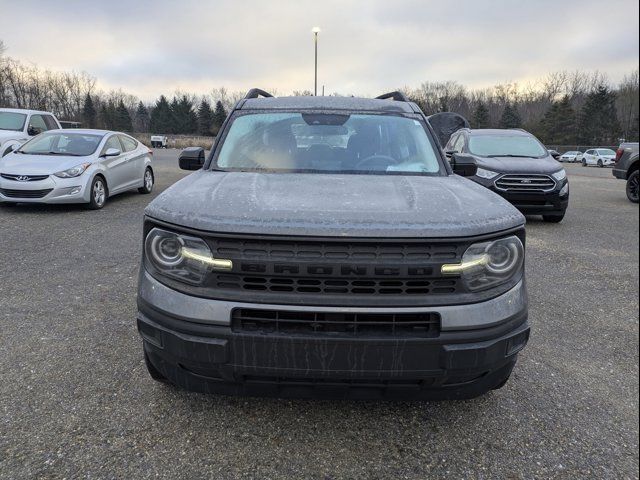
[(69, 144), (323, 142), (606, 151), (506, 146), (12, 121)]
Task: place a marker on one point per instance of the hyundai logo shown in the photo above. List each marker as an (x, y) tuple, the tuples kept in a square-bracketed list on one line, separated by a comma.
[(22, 178)]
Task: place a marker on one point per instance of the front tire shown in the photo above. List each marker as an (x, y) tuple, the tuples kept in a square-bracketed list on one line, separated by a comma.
[(584, 163), (553, 218), (98, 196), (632, 187), (600, 164), (147, 182)]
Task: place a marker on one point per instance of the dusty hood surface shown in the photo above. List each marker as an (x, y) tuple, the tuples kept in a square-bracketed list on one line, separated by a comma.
[(334, 205)]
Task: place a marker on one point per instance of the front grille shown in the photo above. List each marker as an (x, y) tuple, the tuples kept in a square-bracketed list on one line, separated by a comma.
[(525, 183), (333, 286), (23, 178), (24, 193), (279, 322)]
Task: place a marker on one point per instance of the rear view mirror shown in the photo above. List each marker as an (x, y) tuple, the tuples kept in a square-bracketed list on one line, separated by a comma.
[(191, 158), (464, 165)]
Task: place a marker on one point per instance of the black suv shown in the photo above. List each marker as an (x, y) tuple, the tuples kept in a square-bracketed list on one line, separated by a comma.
[(626, 168), (514, 164), (325, 247)]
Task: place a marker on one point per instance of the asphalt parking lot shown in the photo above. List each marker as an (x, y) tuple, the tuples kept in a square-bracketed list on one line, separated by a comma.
[(76, 400)]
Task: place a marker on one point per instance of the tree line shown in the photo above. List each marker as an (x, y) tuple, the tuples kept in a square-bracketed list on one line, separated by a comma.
[(562, 108)]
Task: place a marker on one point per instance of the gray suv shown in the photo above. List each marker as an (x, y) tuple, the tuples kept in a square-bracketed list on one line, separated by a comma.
[(626, 168), (326, 248)]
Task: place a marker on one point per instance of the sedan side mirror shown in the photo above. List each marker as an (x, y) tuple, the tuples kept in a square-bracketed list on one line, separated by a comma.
[(191, 158), (464, 165), (111, 152)]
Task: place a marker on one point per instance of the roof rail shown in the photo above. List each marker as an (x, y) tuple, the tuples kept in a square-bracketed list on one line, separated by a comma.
[(256, 92), (398, 96)]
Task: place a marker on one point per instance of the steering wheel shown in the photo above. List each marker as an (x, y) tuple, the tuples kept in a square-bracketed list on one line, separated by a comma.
[(376, 159)]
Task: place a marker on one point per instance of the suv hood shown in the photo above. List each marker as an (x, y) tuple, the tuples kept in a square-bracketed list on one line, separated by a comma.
[(334, 205), (519, 165)]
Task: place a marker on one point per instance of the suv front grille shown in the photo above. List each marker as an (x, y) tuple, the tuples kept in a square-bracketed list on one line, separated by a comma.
[(419, 325), (23, 178), (25, 193), (340, 286), (525, 183)]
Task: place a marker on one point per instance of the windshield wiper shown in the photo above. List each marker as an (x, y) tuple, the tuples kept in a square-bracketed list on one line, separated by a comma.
[(510, 156), (62, 153)]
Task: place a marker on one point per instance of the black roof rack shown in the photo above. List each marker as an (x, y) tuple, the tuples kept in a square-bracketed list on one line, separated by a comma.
[(398, 96), (256, 92)]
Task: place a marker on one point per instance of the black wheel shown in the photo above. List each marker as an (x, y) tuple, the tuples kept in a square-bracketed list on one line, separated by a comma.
[(153, 371), (147, 182), (600, 164), (98, 196), (553, 218), (632, 187), (584, 162)]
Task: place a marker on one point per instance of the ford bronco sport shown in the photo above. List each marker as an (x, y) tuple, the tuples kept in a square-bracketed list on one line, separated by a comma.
[(326, 248)]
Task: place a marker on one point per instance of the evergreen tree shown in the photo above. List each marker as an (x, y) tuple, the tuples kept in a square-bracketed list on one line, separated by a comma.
[(510, 117), (122, 120), (219, 116), (481, 116), (108, 115), (184, 116), (142, 118), (161, 117), (598, 123), (205, 118), (89, 113)]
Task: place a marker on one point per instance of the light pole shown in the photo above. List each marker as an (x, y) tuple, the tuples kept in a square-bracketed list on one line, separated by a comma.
[(315, 31)]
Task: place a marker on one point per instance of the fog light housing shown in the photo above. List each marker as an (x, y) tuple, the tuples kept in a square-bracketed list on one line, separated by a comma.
[(564, 191)]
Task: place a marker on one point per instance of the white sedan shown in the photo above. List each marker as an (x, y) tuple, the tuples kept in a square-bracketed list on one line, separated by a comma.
[(602, 157), (75, 166), (571, 156)]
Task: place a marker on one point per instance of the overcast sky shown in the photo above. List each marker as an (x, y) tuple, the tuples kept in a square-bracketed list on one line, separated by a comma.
[(367, 47)]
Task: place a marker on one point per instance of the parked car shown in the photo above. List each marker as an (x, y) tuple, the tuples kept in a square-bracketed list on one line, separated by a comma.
[(514, 164), (326, 248), (18, 125), (571, 156), (75, 166), (626, 168), (602, 157), (554, 153), (159, 141)]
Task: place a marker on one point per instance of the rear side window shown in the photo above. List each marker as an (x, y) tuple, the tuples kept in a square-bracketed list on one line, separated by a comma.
[(50, 122), (128, 143)]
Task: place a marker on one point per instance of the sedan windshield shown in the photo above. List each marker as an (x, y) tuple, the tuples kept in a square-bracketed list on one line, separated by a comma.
[(606, 151), (323, 142), (12, 121), (506, 146), (69, 144)]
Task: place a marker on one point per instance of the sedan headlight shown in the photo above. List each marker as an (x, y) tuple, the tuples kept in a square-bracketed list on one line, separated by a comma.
[(73, 171), (488, 174), (560, 175), (488, 264), (182, 257)]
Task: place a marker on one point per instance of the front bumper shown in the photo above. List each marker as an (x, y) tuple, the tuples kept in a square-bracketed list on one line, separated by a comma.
[(532, 203), (190, 341), (57, 190)]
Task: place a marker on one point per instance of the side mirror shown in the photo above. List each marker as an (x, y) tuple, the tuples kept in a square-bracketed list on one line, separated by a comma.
[(450, 153), (33, 131), (191, 158), (111, 152), (464, 165)]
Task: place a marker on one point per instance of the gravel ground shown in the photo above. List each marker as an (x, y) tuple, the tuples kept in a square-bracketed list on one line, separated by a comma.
[(76, 400)]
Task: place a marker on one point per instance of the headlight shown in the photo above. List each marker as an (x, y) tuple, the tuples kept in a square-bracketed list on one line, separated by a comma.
[(560, 175), (73, 171), (488, 264), (488, 174), (181, 257)]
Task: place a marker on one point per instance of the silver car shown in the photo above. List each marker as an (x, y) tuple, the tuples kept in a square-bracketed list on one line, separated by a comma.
[(75, 166)]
